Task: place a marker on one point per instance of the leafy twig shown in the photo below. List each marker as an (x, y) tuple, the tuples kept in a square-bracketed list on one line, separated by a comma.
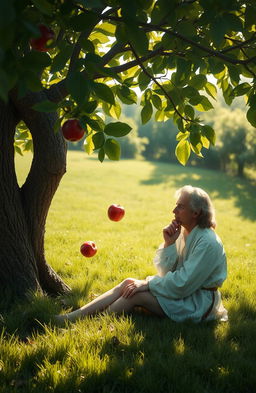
[(156, 82)]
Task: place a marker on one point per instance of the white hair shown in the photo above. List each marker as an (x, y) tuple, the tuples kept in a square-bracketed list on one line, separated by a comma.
[(200, 202)]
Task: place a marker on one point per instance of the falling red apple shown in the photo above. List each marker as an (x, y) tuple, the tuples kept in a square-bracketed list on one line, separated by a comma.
[(72, 130), (88, 249), (40, 43), (116, 212)]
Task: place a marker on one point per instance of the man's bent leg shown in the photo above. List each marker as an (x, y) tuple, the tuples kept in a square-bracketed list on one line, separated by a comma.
[(97, 305), (143, 299)]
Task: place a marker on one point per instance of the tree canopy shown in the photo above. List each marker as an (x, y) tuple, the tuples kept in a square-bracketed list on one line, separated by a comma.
[(159, 54)]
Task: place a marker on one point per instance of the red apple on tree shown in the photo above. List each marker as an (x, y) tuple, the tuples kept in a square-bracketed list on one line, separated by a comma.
[(40, 43), (88, 249), (72, 130), (116, 212)]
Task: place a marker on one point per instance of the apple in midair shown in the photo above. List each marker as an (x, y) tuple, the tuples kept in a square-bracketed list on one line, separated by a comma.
[(72, 130), (116, 212), (40, 43), (88, 249)]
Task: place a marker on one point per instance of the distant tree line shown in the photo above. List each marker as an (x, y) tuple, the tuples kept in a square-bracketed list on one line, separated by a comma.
[(234, 150)]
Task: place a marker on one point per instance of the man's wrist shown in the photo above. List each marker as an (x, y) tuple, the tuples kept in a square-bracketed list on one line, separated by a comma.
[(167, 244)]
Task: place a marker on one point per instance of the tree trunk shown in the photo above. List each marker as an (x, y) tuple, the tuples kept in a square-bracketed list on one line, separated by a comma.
[(23, 211), (240, 168)]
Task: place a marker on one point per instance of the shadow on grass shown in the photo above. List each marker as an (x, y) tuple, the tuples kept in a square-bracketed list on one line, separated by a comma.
[(182, 358), (26, 318), (217, 184), (169, 357)]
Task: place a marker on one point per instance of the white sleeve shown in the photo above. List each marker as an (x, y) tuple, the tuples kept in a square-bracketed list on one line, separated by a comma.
[(165, 259), (181, 283)]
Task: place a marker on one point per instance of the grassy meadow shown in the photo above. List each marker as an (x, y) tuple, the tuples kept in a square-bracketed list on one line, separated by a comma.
[(134, 353)]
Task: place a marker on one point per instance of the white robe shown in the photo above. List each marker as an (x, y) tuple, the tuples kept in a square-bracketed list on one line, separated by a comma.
[(184, 269)]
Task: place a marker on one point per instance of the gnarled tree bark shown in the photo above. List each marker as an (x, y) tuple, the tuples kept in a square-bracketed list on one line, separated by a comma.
[(23, 210)]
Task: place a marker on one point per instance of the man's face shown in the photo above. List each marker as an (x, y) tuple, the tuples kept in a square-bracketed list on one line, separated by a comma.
[(183, 213)]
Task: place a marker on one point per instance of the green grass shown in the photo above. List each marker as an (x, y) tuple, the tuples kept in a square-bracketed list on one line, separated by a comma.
[(133, 353)]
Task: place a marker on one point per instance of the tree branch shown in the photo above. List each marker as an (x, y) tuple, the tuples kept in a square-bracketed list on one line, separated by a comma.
[(156, 82), (85, 34), (246, 66), (239, 45), (60, 36), (133, 63), (117, 48), (212, 52), (58, 91)]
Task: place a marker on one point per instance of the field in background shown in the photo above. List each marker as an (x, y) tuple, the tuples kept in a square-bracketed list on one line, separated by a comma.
[(134, 353)]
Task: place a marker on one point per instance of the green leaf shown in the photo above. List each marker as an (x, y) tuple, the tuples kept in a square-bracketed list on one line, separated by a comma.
[(190, 92), (180, 124), (89, 106), (168, 42), (187, 29), (241, 89), (88, 144), (205, 142), (252, 101), (121, 33), (18, 149), (233, 22), (83, 21), (43, 6), (126, 95), (98, 140), (227, 94), (146, 112), (28, 146), (211, 89), (112, 149), (215, 66), (189, 111), (251, 116), (157, 102), (101, 154), (204, 105), (107, 28), (32, 81), (103, 92), (94, 124), (117, 129), (209, 133), (92, 3), (78, 87), (45, 106), (160, 116), (61, 59), (143, 80), (234, 73), (36, 61), (137, 37), (158, 13), (182, 151), (198, 81), (87, 45), (197, 149), (183, 70), (195, 136), (182, 135), (196, 99), (218, 29), (115, 110)]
